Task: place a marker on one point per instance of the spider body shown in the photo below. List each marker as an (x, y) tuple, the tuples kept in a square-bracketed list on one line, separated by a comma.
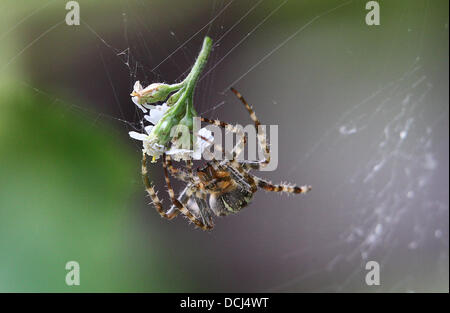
[(229, 191), (220, 187), (214, 190)]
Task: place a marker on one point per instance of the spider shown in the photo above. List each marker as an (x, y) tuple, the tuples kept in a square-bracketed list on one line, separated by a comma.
[(220, 187)]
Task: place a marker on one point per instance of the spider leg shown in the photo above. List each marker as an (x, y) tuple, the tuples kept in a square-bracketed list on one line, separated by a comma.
[(151, 191), (257, 165), (188, 177), (228, 127), (181, 206), (268, 186), (188, 196), (225, 125), (259, 130), (217, 123), (182, 198), (179, 173), (252, 165)]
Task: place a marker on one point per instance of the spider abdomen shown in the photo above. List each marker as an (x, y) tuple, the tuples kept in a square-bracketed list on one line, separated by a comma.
[(230, 202)]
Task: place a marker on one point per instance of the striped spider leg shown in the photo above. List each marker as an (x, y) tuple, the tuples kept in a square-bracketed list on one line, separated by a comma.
[(151, 190), (258, 165), (157, 202), (259, 132), (193, 197), (174, 172), (181, 205)]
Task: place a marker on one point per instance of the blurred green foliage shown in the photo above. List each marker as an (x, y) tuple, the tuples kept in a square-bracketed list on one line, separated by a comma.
[(64, 188), (66, 183)]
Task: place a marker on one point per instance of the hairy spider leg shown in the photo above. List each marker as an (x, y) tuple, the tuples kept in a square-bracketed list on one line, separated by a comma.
[(151, 191), (157, 202), (268, 186), (182, 206), (260, 133)]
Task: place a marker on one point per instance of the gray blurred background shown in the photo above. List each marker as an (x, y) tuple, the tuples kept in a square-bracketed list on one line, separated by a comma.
[(362, 114)]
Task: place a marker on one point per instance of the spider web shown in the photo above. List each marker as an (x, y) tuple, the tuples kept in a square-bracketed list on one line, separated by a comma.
[(395, 209), (377, 163)]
